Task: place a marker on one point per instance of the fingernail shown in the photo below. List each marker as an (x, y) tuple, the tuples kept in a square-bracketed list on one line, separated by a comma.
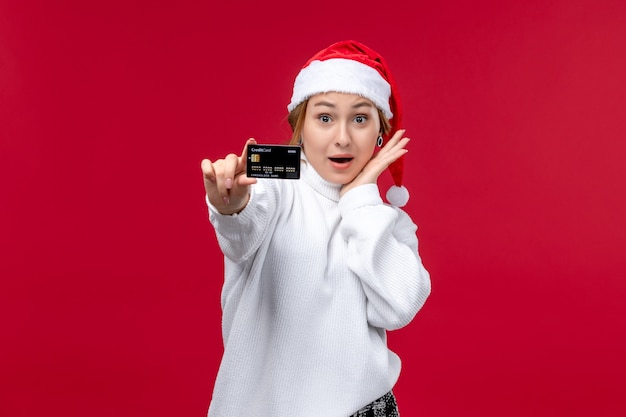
[(226, 200), (228, 183)]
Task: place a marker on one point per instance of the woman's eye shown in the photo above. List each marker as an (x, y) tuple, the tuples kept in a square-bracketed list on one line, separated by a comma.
[(324, 118), (360, 119)]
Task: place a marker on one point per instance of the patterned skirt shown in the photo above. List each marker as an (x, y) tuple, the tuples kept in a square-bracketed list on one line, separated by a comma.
[(385, 406)]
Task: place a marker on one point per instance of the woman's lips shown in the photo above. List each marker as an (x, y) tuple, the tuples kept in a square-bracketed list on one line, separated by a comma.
[(340, 162)]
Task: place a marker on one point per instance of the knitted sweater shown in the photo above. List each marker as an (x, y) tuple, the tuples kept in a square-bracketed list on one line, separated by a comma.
[(312, 282)]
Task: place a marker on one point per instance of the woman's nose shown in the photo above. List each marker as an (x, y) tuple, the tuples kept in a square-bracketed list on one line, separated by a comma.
[(343, 137)]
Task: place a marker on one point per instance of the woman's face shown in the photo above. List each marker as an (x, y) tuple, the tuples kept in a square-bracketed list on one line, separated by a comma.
[(339, 135)]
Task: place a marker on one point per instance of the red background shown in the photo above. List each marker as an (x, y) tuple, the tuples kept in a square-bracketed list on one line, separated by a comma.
[(110, 273)]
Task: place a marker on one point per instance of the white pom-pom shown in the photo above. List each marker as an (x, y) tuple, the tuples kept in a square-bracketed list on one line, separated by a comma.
[(398, 196)]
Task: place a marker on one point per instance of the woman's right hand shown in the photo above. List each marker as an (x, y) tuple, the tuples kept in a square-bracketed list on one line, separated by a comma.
[(226, 183)]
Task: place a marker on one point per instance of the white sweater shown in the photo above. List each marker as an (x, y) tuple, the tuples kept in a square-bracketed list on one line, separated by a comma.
[(312, 281)]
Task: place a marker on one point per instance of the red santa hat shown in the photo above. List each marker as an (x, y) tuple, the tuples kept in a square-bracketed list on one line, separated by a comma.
[(352, 67)]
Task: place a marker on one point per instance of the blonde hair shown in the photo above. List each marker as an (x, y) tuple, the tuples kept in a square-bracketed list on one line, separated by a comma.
[(296, 121)]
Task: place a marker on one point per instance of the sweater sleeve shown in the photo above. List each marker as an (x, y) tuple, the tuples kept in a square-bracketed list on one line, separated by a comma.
[(240, 235), (383, 253)]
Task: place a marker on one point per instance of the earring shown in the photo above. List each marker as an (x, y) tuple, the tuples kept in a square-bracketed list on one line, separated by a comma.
[(379, 141), (300, 141)]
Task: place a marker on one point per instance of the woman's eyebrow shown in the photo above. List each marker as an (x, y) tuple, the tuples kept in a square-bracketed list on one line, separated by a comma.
[(355, 106), (324, 103), (362, 104)]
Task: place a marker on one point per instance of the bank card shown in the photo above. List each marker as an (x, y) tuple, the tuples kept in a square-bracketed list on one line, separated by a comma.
[(273, 161)]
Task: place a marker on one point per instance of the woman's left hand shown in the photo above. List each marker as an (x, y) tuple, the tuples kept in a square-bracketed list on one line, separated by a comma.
[(393, 150)]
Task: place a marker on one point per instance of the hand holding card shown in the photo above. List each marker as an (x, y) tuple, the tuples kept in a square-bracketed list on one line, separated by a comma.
[(227, 188)]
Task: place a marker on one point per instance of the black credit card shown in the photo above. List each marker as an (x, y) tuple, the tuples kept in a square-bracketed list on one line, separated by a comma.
[(273, 161)]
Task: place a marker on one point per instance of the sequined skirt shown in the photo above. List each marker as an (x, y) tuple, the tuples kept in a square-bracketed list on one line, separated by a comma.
[(385, 406)]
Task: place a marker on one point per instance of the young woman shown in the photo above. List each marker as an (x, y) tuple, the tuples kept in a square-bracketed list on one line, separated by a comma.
[(318, 269)]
